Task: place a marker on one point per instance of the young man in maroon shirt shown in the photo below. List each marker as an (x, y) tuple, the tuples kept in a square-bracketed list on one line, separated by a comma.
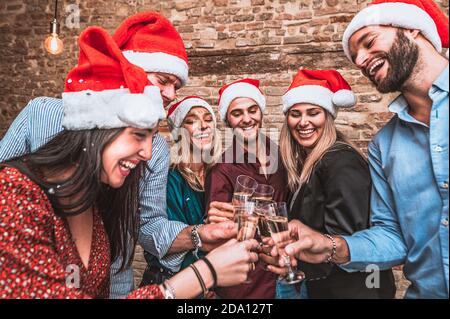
[(252, 153)]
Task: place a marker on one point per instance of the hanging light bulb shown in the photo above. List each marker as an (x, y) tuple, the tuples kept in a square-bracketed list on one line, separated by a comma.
[(53, 43)]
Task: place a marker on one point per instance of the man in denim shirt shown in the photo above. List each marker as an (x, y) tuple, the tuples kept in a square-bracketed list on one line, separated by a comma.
[(398, 47)]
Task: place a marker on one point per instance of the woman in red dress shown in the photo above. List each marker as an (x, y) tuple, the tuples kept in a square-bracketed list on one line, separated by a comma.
[(69, 209)]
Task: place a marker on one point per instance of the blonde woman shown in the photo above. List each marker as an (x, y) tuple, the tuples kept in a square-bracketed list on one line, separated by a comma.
[(198, 147), (328, 177)]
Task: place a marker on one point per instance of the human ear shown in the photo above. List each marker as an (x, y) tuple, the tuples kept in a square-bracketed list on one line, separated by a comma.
[(413, 33)]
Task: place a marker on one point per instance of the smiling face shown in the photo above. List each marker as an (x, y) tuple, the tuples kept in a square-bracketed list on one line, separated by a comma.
[(124, 153), (245, 116), (306, 123), (199, 123), (385, 55), (167, 83)]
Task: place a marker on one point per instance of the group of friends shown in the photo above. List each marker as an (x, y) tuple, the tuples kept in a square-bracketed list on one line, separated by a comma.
[(85, 178)]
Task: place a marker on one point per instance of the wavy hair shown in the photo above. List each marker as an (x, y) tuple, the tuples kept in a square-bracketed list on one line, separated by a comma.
[(300, 165), (186, 154)]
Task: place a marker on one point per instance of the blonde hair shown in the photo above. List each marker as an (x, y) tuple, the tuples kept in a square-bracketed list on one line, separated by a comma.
[(186, 155), (300, 165)]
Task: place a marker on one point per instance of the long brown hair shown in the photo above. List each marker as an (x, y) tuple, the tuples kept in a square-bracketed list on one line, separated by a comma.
[(300, 165), (82, 151)]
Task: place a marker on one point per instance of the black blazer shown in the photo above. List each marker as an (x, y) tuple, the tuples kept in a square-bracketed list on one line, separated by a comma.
[(335, 201)]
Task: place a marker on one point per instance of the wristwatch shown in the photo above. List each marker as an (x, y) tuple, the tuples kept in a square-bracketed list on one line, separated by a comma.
[(196, 241)]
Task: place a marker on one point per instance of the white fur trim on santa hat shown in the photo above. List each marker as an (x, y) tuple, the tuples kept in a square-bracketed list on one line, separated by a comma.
[(159, 62), (240, 89), (320, 96), (178, 115), (396, 14), (112, 109)]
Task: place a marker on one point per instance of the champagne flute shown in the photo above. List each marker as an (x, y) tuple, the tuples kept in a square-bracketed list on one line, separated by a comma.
[(243, 190), (279, 230), (263, 209), (263, 193), (247, 222)]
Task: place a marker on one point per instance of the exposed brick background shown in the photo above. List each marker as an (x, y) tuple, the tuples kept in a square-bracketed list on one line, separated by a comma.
[(226, 40)]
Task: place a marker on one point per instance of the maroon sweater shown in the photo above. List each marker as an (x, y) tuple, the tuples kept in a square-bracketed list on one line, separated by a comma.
[(219, 186)]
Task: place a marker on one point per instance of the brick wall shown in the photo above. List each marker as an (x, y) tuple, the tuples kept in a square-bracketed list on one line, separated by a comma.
[(226, 40)]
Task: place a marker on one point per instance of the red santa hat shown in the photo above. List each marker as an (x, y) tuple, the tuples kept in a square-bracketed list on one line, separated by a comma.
[(242, 88), (150, 41), (423, 15), (325, 88), (177, 112), (106, 91)]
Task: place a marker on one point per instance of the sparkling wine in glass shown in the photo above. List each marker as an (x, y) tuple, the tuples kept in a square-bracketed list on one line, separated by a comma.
[(239, 199), (263, 209), (247, 222), (263, 193), (243, 190), (245, 185), (279, 230)]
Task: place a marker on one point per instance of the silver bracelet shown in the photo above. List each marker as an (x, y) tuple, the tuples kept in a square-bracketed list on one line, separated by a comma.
[(333, 250), (169, 292), (196, 240)]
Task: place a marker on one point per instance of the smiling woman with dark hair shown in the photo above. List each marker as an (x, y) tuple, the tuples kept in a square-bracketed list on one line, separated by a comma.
[(79, 170)]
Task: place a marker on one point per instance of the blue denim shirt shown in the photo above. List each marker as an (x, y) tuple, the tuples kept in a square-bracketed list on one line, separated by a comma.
[(409, 163)]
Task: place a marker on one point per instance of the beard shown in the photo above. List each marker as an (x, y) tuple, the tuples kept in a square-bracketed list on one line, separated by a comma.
[(402, 58)]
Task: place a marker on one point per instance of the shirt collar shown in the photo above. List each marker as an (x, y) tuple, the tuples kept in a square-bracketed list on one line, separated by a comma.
[(441, 82), (400, 105)]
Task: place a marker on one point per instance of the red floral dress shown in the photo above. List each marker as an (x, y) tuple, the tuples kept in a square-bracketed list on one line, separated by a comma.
[(38, 258)]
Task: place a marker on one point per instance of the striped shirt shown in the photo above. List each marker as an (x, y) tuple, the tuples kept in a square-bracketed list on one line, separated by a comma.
[(41, 120)]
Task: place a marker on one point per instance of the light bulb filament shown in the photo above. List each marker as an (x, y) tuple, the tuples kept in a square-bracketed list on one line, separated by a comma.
[(53, 44)]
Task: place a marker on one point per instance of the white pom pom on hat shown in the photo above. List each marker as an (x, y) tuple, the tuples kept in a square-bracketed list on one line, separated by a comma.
[(344, 98), (325, 88)]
